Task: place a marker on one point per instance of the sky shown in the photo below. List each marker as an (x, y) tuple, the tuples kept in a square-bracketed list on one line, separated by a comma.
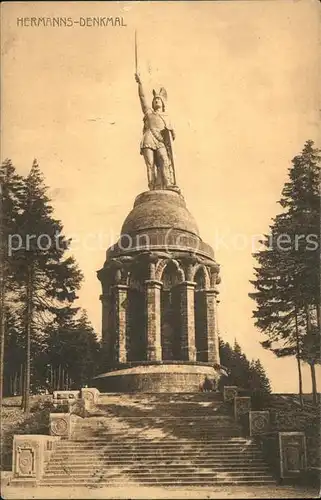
[(243, 84)]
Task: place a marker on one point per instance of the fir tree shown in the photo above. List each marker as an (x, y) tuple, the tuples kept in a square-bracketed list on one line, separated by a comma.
[(287, 280), (73, 351), (11, 185), (245, 375), (45, 278)]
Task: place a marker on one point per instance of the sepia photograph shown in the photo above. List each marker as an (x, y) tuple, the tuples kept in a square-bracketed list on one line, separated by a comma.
[(160, 208)]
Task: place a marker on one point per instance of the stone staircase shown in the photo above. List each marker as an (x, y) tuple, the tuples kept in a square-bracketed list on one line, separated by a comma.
[(163, 440)]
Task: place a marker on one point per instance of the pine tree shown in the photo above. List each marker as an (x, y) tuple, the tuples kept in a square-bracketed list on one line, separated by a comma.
[(258, 378), (287, 280), (45, 278), (10, 197), (245, 375), (73, 350)]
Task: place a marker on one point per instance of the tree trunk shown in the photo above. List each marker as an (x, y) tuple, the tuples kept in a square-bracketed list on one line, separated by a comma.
[(2, 328), (59, 378), (314, 384), (311, 361), (21, 380), (318, 308), (298, 357), (15, 383), (2, 292), (26, 403)]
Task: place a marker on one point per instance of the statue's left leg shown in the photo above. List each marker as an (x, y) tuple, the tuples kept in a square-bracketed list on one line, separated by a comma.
[(163, 166)]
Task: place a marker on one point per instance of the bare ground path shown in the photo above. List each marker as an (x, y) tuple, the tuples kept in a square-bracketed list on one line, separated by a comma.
[(21, 493)]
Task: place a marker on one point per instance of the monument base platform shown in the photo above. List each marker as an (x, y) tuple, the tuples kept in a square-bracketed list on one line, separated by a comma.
[(162, 377)]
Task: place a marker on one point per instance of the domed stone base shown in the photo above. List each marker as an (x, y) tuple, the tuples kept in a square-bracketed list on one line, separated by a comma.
[(162, 377)]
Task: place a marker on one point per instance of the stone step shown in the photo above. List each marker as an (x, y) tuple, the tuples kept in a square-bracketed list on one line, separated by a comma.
[(160, 396), (166, 484), (141, 456), (207, 418), (158, 452), (189, 480), (176, 473), (108, 448), (215, 461), (108, 435), (183, 448), (215, 440), (139, 468)]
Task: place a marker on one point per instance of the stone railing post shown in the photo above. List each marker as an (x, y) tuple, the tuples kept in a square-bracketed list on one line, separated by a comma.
[(60, 424), (188, 349), (121, 306), (153, 324), (242, 406), (293, 455), (230, 392), (259, 422), (29, 457), (90, 395)]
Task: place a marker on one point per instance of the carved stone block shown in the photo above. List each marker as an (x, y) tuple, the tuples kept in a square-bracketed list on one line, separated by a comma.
[(90, 395), (30, 454), (60, 424), (259, 422), (65, 397), (293, 460), (230, 392), (242, 406)]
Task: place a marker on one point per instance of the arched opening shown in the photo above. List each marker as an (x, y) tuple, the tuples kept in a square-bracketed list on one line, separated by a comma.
[(200, 316), (136, 318), (170, 313)]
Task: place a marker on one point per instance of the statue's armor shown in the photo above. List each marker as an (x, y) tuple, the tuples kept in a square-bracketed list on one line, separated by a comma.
[(154, 123)]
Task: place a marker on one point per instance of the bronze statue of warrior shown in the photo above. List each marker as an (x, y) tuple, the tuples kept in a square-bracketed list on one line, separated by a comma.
[(155, 145)]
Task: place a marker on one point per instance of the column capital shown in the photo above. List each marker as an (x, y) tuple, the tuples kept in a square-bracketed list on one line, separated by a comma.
[(191, 284), (155, 283), (119, 286), (210, 291)]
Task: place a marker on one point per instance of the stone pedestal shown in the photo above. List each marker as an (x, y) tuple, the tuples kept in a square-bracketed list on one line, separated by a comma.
[(91, 396), (153, 311), (60, 424), (121, 322), (188, 349), (230, 392), (242, 406), (159, 298), (293, 460), (259, 422), (30, 454)]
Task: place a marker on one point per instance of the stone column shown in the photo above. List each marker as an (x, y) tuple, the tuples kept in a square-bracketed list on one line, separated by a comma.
[(121, 292), (153, 312), (107, 326), (211, 326), (188, 321)]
